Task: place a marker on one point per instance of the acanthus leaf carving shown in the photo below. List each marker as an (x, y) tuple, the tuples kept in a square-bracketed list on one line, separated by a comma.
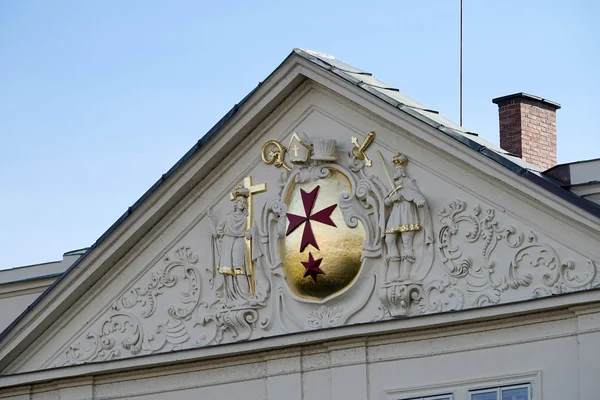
[(325, 317)]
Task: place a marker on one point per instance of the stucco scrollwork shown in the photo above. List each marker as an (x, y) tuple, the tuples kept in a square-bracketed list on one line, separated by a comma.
[(146, 296), (487, 274), (485, 283), (401, 298), (559, 276), (483, 228), (128, 329), (364, 205), (442, 295), (241, 323)]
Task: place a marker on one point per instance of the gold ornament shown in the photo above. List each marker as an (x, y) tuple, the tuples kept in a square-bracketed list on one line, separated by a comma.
[(276, 157), (358, 150), (247, 190), (298, 150), (340, 246)]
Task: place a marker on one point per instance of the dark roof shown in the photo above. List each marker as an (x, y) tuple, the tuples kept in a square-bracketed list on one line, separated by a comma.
[(521, 95), (393, 96), (569, 174), (386, 93)]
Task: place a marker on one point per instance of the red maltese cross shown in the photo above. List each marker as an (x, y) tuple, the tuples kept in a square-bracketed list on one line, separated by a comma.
[(323, 216)]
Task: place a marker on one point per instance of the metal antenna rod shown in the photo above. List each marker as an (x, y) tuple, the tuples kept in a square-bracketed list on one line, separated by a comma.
[(461, 62)]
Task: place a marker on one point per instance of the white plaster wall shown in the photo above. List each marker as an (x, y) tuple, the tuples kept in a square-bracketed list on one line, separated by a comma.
[(20, 286), (11, 306), (246, 390), (556, 352)]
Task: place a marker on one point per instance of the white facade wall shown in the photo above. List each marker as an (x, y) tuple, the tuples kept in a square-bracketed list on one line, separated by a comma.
[(20, 286), (12, 305), (556, 352)]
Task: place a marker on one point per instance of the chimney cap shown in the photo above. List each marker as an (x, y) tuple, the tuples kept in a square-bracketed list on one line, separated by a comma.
[(522, 95)]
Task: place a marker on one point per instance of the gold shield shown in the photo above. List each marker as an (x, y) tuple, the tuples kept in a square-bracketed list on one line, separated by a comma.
[(340, 247)]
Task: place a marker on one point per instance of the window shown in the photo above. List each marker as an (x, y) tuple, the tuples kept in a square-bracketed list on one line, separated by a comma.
[(515, 392), (514, 386)]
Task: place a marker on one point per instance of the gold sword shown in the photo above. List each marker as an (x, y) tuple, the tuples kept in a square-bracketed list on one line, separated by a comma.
[(359, 149), (387, 173)]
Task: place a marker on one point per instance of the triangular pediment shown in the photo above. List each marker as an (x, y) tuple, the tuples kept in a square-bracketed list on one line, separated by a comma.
[(314, 205)]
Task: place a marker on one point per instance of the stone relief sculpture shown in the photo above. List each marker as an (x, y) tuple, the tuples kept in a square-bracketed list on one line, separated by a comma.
[(406, 264), (409, 214), (229, 256), (238, 245), (330, 245)]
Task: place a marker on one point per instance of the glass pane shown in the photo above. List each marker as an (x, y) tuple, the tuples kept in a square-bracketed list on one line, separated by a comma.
[(485, 396), (516, 394)]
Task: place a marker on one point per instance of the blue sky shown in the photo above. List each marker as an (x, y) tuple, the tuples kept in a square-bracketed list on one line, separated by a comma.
[(98, 99)]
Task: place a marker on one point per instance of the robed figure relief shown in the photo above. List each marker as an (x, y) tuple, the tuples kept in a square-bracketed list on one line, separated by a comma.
[(231, 256), (409, 215)]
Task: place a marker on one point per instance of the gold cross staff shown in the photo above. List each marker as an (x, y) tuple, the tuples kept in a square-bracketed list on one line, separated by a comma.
[(295, 148), (253, 189)]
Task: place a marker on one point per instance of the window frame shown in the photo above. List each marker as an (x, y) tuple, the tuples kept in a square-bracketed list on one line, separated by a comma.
[(460, 389), (500, 389)]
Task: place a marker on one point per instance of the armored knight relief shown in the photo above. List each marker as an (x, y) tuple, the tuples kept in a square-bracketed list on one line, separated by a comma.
[(408, 216)]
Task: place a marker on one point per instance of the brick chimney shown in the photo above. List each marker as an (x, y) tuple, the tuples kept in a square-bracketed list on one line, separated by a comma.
[(528, 128)]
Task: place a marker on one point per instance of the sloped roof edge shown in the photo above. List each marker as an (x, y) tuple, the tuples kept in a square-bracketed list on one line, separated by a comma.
[(377, 89), (203, 140), (447, 127)]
